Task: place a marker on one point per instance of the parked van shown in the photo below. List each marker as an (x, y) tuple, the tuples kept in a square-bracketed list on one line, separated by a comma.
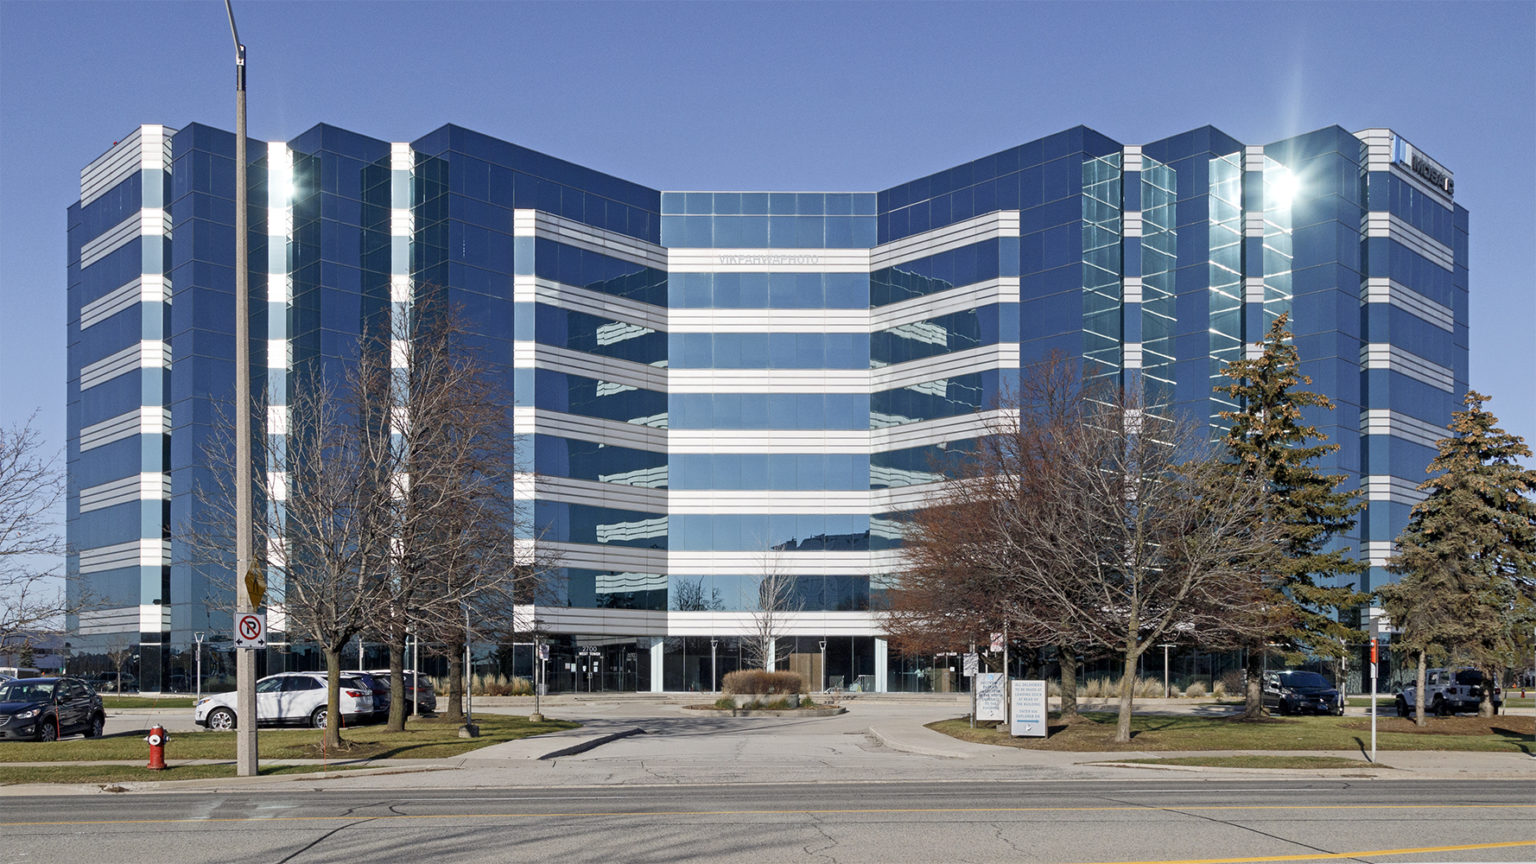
[(20, 672)]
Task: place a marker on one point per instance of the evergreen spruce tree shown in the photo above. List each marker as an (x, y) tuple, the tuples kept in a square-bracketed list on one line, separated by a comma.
[(1468, 554), (1267, 440)]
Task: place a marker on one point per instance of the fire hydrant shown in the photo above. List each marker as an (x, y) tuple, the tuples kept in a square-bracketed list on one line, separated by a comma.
[(157, 739)]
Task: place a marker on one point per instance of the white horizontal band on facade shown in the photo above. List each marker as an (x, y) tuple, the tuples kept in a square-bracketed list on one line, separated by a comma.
[(629, 623), (148, 486), (400, 157), (1384, 355), (146, 148), (134, 553), (123, 619), (943, 429), (527, 420), (143, 222), (277, 419), (1380, 421), (1253, 157), (1382, 223), (1130, 289), (1130, 355), (1130, 157), (1130, 223), (154, 618), (782, 260), (1253, 289), (704, 502), (760, 561), (145, 420), (568, 490), (1253, 222), (911, 497), (1253, 350), (1384, 487), (537, 223), (1380, 289), (594, 556), (957, 235), (1378, 148), (1004, 289), (532, 355), (401, 222), (1003, 355), (780, 441), (277, 486), (144, 355), (151, 287), (532, 289), (1378, 552)]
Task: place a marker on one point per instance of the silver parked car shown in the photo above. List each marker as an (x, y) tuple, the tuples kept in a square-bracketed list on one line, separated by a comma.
[(288, 699)]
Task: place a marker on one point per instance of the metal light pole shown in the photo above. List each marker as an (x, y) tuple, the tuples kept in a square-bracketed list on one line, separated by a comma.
[(198, 638), (823, 665), (714, 676), (1166, 692), (245, 661)]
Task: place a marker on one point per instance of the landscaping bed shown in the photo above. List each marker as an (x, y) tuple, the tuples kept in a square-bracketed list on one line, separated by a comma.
[(1094, 731)]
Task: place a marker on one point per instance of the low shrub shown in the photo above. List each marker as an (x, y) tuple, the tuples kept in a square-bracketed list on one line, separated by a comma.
[(1220, 690), (1196, 690), (760, 682), (725, 702)]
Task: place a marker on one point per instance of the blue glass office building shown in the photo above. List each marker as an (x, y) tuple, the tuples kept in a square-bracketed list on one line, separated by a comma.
[(711, 386)]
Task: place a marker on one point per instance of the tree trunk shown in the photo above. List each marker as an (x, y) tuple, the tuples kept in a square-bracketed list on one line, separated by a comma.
[(455, 712), (1253, 686), (396, 649), (331, 737), (1127, 692), (1068, 661), (1418, 693)]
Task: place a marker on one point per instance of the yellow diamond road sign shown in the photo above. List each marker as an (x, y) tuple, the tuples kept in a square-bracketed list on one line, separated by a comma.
[(255, 586)]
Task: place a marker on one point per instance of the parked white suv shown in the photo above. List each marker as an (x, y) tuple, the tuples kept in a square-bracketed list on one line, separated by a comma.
[(288, 699), (1448, 691)]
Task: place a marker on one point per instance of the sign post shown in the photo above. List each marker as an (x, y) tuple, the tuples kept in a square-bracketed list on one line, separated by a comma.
[(971, 667), (1373, 692)]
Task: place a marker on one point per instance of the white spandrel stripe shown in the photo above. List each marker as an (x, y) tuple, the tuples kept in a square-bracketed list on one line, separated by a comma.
[(123, 619), (537, 223), (1380, 289), (567, 490), (1382, 223), (527, 288), (527, 420), (943, 429), (773, 501), (1003, 355), (1380, 421), (145, 148), (1384, 487), (139, 487), (784, 260), (144, 355), (145, 420), (768, 321), (134, 553), (149, 288), (966, 232), (531, 355), (1378, 552), (1384, 355)]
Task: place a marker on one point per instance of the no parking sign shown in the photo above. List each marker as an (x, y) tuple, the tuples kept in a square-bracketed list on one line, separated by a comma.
[(250, 630)]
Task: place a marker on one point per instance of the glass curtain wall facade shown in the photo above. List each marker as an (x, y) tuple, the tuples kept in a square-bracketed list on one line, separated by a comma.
[(708, 389)]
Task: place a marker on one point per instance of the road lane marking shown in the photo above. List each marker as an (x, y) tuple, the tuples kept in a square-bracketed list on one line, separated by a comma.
[(805, 811), (1327, 856)]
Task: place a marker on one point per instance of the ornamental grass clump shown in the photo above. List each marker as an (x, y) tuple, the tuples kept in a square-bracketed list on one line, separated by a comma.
[(758, 682)]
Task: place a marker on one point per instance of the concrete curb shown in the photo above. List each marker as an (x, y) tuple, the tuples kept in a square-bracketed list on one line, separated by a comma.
[(1365, 769), (592, 743)]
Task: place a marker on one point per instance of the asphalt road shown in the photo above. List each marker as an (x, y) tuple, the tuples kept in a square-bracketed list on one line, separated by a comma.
[(1156, 820)]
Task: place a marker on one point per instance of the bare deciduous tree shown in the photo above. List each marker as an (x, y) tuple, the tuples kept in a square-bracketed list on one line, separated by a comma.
[(777, 602), (32, 595)]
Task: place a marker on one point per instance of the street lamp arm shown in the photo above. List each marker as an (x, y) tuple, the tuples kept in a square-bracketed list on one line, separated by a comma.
[(239, 47)]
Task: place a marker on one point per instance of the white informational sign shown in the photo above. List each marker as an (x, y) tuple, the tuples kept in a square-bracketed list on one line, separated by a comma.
[(250, 630), (990, 696), (1029, 717), (972, 665)]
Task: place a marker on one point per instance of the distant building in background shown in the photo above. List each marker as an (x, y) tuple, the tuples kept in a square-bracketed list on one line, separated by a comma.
[(712, 384)]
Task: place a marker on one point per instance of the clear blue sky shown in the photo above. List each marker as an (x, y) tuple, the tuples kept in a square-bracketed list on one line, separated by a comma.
[(771, 96)]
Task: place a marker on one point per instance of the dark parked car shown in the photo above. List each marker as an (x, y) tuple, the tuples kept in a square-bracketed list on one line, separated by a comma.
[(1297, 692), (379, 687), (426, 699), (46, 709)]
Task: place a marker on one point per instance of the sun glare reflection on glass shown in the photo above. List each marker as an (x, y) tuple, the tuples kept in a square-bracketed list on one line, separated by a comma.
[(1283, 187)]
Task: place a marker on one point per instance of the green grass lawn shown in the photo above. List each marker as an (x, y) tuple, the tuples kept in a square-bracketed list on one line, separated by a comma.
[(1095, 731), (112, 700), (428, 738)]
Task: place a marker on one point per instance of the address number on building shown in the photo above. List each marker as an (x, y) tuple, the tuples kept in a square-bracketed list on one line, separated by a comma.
[(250, 630)]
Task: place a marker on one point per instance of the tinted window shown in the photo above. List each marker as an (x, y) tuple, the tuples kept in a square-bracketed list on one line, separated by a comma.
[(1304, 679), (1469, 677), (270, 685)]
